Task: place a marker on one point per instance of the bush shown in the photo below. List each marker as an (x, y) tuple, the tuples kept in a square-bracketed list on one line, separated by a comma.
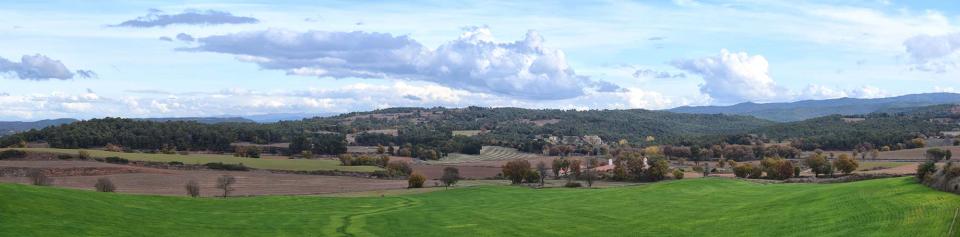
[(222, 166), (846, 164), (9, 154), (926, 169), (193, 188), (116, 160), (399, 168), (104, 185), (64, 157), (38, 178), (677, 174), (416, 180), (516, 170), (743, 170), (658, 170), (573, 185), (796, 171), (175, 163), (532, 177), (84, 155), (113, 148)]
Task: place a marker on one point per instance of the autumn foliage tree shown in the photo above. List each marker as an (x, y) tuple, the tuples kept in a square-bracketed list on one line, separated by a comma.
[(516, 170), (846, 164)]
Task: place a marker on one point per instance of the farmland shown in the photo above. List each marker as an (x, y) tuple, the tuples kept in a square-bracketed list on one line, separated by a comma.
[(488, 153), (698, 207), (273, 163)]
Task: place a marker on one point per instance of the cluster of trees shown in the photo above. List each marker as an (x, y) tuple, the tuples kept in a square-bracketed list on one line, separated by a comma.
[(352, 160)]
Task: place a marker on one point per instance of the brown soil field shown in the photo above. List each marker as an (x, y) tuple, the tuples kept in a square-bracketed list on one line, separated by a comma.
[(912, 154), (171, 182)]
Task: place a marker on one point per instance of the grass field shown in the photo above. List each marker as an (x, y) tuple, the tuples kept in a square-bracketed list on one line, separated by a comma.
[(263, 163), (694, 207), (487, 153)]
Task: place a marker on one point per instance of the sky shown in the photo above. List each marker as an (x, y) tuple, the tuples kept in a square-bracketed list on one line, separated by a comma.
[(90, 59)]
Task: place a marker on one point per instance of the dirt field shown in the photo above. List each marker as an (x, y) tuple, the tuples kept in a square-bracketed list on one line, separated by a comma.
[(171, 182), (913, 154)]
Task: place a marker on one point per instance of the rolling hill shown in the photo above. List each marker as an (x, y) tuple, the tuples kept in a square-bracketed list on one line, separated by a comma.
[(801, 110), (11, 127)]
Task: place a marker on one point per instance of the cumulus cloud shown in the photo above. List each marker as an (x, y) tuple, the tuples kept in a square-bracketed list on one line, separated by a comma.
[(933, 53), (650, 73), (475, 62), (40, 67), (819, 92), (733, 77), (157, 18)]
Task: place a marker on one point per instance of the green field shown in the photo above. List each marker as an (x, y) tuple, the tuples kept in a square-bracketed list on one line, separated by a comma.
[(273, 164), (695, 207)]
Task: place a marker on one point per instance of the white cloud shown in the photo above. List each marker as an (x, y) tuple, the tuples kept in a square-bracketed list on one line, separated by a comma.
[(190, 17), (733, 77), (474, 62), (40, 67)]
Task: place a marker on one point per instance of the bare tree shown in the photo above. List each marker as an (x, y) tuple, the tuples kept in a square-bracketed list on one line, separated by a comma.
[(38, 178), (591, 172), (193, 188), (104, 185), (224, 182), (542, 169), (450, 176)]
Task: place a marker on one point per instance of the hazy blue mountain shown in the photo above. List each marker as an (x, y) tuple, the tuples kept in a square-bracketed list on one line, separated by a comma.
[(10, 127), (806, 109)]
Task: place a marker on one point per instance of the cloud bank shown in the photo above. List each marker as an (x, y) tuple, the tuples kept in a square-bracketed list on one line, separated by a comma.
[(40, 67), (157, 18), (474, 62)]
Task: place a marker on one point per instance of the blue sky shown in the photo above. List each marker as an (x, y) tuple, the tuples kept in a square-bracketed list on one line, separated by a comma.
[(105, 58)]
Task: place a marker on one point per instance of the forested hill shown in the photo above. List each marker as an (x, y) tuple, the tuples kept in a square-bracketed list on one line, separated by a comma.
[(801, 110), (428, 127)]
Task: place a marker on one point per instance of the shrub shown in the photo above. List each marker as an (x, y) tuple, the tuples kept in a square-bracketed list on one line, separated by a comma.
[(64, 157), (416, 180), (677, 174), (796, 171), (450, 176), (113, 148), (743, 170), (532, 177), (225, 182), (926, 169), (846, 164), (175, 163), (573, 185), (10, 154), (38, 178), (222, 166), (755, 173), (84, 155), (658, 170), (516, 170), (116, 160), (399, 168), (104, 185), (193, 188)]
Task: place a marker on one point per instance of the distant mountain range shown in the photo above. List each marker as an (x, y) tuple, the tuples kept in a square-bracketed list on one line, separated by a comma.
[(807, 109), (10, 127)]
